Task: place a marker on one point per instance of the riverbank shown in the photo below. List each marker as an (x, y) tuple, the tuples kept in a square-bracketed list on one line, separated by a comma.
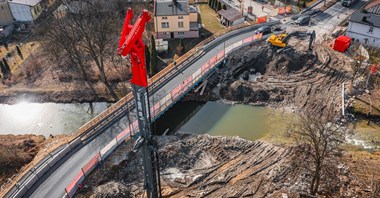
[(16, 151)]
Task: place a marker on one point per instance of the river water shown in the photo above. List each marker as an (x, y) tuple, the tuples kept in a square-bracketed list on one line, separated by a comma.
[(46, 118), (246, 121), (218, 118)]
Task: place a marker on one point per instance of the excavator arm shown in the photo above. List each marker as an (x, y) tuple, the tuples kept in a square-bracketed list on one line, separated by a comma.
[(283, 39)]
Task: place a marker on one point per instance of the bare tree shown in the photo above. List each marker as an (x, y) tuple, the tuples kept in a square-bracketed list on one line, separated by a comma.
[(88, 30), (322, 139)]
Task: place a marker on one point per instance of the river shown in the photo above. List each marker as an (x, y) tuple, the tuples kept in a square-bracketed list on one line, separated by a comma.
[(218, 118), (46, 118)]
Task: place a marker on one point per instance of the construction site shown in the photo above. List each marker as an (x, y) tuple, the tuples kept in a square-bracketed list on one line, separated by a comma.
[(127, 132), (295, 78)]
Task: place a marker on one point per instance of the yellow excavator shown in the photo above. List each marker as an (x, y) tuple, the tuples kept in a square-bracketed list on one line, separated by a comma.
[(281, 41)]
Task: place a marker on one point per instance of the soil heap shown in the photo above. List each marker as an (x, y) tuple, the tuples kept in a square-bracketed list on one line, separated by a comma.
[(292, 77)]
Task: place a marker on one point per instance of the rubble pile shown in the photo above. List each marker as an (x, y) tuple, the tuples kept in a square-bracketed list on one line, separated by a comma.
[(206, 166), (292, 77)]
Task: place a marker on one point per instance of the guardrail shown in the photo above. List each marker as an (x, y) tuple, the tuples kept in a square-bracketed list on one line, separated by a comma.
[(175, 95), (22, 183)]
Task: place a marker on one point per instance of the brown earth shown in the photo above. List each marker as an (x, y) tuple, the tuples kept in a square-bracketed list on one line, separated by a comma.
[(16, 151), (206, 166), (40, 78), (292, 78), (365, 167)]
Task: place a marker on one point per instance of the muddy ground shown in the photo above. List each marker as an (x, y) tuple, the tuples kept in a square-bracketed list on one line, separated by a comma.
[(206, 166)]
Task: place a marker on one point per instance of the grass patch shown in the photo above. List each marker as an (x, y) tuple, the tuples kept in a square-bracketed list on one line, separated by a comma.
[(209, 19)]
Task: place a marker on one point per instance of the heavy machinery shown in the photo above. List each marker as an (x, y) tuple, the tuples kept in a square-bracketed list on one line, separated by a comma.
[(281, 41), (131, 45)]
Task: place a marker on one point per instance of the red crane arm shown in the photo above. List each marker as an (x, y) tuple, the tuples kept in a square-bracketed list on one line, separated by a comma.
[(131, 44)]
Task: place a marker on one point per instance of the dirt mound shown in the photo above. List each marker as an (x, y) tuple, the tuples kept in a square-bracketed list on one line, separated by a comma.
[(291, 77), (16, 151), (206, 166)]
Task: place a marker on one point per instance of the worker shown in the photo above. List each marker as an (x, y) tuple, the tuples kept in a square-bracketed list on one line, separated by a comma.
[(262, 8)]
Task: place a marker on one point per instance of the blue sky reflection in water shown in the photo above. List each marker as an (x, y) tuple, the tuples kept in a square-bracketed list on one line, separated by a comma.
[(46, 118)]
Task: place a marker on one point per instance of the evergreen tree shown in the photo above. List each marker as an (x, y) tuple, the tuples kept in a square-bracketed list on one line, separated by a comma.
[(214, 2), (219, 6), (153, 56)]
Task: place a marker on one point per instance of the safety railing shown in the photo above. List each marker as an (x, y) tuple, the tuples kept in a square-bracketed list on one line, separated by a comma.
[(158, 108), (92, 127)]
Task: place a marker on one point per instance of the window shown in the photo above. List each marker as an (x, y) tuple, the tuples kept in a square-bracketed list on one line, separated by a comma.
[(180, 17), (181, 33), (180, 24), (370, 30), (165, 25), (164, 18)]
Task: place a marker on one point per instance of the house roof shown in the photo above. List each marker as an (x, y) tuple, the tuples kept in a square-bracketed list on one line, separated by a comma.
[(25, 2), (366, 18), (230, 14), (171, 7)]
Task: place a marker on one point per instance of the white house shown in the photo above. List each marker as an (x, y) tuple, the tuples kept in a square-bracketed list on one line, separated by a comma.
[(25, 10), (364, 25)]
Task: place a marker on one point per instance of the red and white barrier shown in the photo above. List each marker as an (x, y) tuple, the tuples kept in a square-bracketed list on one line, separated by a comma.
[(91, 165), (197, 75), (123, 135), (74, 185)]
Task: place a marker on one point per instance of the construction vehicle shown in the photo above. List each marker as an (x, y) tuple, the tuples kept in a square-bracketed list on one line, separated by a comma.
[(281, 41), (132, 46)]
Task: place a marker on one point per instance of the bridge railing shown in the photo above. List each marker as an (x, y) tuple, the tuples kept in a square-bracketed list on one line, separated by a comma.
[(158, 108), (93, 126)]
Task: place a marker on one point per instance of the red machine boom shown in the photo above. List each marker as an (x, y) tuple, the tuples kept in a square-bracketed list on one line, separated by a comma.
[(131, 44)]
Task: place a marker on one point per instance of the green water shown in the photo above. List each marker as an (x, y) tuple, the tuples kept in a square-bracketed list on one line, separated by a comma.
[(246, 121)]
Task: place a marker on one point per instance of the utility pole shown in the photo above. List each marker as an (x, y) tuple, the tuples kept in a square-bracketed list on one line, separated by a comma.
[(131, 45)]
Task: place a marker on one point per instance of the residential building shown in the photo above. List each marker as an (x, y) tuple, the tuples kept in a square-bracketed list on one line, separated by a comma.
[(230, 17), (364, 25), (5, 13), (25, 11), (175, 19)]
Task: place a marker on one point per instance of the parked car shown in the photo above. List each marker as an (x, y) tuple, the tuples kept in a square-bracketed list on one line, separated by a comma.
[(264, 30), (303, 20), (348, 3), (295, 17), (312, 12)]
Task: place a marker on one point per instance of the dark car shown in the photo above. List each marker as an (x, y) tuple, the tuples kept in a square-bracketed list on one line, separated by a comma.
[(303, 20), (295, 17), (312, 12), (264, 29)]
